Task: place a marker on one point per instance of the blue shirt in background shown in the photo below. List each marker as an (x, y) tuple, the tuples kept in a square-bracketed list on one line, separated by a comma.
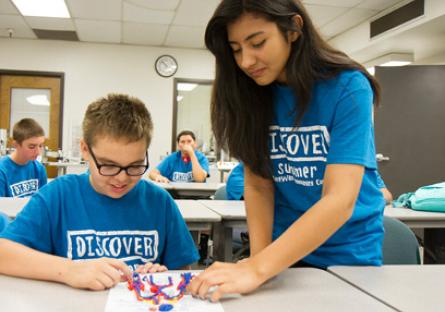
[(235, 183), (68, 218), (21, 180), (336, 129), (177, 170)]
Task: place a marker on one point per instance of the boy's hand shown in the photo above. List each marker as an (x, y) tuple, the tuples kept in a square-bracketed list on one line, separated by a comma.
[(188, 149), (151, 268), (161, 179), (97, 274)]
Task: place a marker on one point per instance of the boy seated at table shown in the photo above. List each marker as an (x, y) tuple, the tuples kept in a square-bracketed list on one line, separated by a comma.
[(91, 230), (21, 174), (185, 165)]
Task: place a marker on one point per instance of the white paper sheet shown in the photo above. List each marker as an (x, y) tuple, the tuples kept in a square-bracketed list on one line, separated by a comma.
[(121, 299)]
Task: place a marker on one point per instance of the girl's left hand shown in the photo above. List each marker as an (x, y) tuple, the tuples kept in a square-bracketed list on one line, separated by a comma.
[(151, 268)]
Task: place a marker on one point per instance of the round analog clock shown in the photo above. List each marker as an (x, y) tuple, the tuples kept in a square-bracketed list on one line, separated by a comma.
[(166, 65)]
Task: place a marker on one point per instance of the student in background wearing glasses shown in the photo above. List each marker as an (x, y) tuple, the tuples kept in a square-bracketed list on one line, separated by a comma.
[(91, 230)]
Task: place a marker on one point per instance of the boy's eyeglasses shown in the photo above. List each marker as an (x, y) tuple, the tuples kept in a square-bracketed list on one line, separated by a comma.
[(113, 170)]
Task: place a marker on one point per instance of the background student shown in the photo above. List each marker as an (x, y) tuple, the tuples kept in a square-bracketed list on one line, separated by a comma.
[(235, 183), (109, 216), (298, 114), (21, 175), (185, 165)]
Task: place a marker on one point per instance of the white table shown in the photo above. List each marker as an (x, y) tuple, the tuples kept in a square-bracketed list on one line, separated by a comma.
[(302, 289), (417, 219), (233, 214), (197, 216), (191, 189), (62, 166), (404, 287), (11, 206)]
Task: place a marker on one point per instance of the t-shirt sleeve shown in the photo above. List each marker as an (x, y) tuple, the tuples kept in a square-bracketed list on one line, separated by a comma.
[(352, 132), (3, 185), (31, 227), (180, 250), (204, 162), (164, 166), (380, 183), (43, 178)]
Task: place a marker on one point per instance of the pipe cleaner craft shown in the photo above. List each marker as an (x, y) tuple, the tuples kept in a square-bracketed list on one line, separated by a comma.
[(148, 290)]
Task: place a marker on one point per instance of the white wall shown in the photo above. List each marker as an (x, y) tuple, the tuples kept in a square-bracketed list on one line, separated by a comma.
[(93, 70)]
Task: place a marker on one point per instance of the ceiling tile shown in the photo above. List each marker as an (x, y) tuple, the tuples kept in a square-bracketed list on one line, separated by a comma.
[(17, 24), (144, 34), (139, 14), (195, 12), (351, 18), (378, 5), (185, 36), (321, 15), (95, 9), (334, 3), (98, 31), (6, 7), (170, 5), (50, 23)]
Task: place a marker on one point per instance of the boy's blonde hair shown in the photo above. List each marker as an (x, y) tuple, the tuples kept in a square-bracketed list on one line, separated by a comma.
[(118, 116), (26, 128)]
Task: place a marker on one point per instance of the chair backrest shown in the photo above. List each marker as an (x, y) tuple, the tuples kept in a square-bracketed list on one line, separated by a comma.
[(400, 245), (221, 193)]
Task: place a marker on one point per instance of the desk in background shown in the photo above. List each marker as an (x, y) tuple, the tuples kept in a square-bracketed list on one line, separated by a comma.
[(197, 216), (191, 189), (63, 166), (404, 287), (11, 206), (233, 214), (302, 289)]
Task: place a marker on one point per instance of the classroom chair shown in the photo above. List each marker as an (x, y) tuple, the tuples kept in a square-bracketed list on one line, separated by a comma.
[(400, 245), (220, 193)]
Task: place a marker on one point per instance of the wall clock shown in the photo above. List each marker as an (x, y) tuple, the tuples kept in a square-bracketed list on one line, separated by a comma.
[(166, 65)]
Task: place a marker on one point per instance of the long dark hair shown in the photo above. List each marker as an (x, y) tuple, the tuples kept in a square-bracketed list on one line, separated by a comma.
[(241, 110)]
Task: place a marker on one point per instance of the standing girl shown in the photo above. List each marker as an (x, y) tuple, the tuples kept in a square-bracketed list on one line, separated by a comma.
[(298, 113)]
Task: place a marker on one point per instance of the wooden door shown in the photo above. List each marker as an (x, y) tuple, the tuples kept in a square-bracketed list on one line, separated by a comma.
[(10, 84)]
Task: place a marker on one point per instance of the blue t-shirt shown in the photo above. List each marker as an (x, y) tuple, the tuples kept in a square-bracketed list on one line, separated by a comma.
[(70, 219), (336, 129), (21, 180), (380, 182), (235, 183), (177, 170)]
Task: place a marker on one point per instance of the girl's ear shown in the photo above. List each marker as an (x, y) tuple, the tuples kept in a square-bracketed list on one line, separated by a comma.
[(298, 20)]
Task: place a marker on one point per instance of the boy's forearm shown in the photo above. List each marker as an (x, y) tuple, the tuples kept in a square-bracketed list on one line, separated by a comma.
[(21, 261), (199, 174)]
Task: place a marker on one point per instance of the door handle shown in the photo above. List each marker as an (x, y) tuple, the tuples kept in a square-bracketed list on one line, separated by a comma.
[(380, 157)]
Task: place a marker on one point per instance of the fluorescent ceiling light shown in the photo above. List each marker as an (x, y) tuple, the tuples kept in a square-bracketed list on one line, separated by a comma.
[(391, 59), (179, 98), (396, 63), (186, 86), (42, 8), (41, 100)]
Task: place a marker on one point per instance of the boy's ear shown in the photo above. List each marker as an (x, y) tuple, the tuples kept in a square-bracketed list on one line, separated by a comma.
[(84, 150), (15, 144)]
